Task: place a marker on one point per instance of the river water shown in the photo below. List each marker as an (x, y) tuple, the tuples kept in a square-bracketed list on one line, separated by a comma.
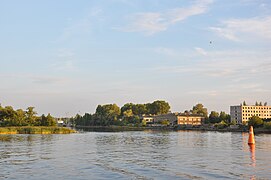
[(135, 155)]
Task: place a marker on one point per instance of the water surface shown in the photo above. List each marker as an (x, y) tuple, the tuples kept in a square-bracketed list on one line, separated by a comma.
[(135, 155)]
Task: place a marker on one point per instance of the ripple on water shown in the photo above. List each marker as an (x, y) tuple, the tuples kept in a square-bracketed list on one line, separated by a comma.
[(135, 155)]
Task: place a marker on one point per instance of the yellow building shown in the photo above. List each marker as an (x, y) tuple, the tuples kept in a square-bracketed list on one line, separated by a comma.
[(180, 119), (242, 113), (193, 120)]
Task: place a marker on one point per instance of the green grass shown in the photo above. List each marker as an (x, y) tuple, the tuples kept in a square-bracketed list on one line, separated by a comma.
[(35, 130)]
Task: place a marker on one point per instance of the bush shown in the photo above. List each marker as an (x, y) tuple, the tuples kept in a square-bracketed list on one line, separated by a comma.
[(255, 121), (267, 125)]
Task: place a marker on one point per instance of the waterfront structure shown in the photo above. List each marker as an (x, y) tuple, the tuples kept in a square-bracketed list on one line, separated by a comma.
[(180, 119), (148, 119), (242, 113), (170, 117), (194, 120)]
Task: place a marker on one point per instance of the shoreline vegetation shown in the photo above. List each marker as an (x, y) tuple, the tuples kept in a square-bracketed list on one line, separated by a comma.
[(114, 128), (35, 130), (129, 117)]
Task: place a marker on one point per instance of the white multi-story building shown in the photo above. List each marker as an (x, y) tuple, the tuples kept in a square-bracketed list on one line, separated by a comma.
[(242, 113)]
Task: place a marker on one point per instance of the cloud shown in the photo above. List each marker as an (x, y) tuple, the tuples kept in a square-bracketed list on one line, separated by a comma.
[(200, 51), (153, 22), (242, 29), (232, 64)]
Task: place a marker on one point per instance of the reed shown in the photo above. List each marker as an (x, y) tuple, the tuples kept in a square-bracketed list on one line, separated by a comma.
[(35, 130)]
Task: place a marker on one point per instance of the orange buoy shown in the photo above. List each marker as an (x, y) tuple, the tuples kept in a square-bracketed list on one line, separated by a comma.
[(251, 139)]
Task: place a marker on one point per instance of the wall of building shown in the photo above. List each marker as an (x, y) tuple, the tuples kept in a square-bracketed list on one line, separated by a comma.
[(242, 113), (171, 117), (190, 120)]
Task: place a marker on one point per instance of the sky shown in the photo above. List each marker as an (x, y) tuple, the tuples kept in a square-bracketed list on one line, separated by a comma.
[(65, 57)]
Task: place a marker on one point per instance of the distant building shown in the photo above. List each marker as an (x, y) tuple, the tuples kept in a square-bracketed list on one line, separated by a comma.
[(180, 119), (194, 120), (242, 113), (170, 117), (148, 119)]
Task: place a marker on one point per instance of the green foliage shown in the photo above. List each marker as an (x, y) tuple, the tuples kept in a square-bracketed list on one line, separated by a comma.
[(214, 117), (35, 130), (144, 123), (11, 117), (267, 125), (157, 107), (221, 125), (129, 113), (199, 110), (165, 122), (108, 113), (234, 122), (255, 121), (224, 117)]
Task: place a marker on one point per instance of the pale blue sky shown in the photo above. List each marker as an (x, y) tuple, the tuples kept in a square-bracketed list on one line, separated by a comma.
[(67, 56)]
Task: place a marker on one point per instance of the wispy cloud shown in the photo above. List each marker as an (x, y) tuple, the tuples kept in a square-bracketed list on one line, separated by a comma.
[(223, 64), (201, 51), (153, 22), (241, 29)]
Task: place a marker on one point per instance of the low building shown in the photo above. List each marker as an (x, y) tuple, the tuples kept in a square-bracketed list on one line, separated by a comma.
[(147, 119), (194, 120), (180, 119), (170, 117), (242, 113)]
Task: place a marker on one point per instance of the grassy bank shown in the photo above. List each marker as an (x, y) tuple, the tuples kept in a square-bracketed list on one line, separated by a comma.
[(35, 130)]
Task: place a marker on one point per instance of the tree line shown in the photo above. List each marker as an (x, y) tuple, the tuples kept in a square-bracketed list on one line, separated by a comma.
[(129, 113), (19, 117)]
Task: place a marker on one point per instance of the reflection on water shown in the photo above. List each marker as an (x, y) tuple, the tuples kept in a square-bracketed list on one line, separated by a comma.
[(252, 154), (135, 155)]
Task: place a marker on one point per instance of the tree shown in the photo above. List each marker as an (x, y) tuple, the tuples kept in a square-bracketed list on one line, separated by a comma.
[(244, 103), (214, 117), (43, 120), (256, 103), (128, 113), (224, 117), (255, 121), (260, 104), (139, 109), (50, 120), (127, 106), (265, 104), (8, 116), (108, 113), (199, 110), (21, 118), (30, 116), (159, 107)]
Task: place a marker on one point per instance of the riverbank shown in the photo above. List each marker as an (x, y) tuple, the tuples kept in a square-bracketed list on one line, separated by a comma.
[(35, 130), (167, 128)]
